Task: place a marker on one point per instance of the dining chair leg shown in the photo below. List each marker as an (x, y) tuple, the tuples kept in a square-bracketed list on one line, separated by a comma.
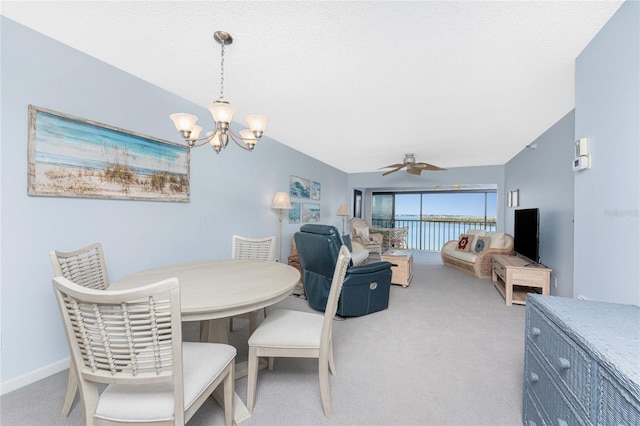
[(252, 377), (229, 383), (323, 372), (72, 387)]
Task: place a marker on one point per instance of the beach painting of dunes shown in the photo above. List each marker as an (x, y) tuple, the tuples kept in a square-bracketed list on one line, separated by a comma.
[(74, 157)]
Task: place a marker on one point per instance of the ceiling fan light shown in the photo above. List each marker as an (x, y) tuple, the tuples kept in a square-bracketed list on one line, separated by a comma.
[(222, 111)]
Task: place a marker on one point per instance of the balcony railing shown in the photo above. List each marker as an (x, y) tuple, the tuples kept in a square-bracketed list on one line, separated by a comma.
[(431, 234)]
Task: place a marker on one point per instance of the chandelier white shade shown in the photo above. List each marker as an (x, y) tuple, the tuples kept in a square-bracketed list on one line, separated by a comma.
[(222, 112)]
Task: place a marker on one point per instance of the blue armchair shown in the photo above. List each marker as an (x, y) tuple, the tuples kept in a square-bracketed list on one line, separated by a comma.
[(366, 287)]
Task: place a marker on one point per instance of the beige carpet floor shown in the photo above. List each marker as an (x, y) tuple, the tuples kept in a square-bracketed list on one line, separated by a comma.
[(447, 351)]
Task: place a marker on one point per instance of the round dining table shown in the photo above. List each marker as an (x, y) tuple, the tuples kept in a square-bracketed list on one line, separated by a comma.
[(221, 288), (214, 290)]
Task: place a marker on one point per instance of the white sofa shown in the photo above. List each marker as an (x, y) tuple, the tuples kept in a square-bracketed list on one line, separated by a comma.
[(477, 264)]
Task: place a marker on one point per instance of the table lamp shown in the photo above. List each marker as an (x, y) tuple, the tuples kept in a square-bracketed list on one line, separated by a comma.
[(280, 201), (343, 211)]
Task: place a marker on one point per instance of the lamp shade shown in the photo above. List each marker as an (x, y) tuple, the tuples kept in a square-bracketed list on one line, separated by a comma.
[(343, 210), (281, 201)]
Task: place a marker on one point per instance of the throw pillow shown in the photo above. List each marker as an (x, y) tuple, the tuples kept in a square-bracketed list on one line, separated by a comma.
[(482, 243), (498, 240), (464, 243), (363, 232)]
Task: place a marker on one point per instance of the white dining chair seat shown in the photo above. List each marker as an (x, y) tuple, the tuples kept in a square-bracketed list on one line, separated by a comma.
[(154, 402), (285, 328)]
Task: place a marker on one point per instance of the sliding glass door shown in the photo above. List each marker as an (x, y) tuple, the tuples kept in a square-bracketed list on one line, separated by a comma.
[(434, 217)]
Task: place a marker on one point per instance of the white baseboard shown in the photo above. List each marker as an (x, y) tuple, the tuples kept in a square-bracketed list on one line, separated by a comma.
[(33, 376)]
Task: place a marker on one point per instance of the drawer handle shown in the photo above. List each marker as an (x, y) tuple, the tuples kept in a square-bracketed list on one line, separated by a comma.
[(532, 423), (533, 377), (373, 286), (564, 363), (535, 331), (562, 423)]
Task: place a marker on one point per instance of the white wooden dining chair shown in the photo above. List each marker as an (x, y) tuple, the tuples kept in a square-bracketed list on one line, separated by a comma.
[(254, 249), (295, 334), (85, 267), (131, 341)]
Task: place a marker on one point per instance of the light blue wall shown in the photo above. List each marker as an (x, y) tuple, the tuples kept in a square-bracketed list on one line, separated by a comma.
[(230, 192), (544, 178), (403, 181), (607, 197)]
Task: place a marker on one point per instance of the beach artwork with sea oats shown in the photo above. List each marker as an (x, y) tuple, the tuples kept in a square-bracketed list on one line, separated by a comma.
[(74, 157)]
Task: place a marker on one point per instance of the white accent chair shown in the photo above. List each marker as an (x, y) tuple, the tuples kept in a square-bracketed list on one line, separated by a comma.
[(131, 340), (295, 334), (85, 267), (254, 249), (360, 232)]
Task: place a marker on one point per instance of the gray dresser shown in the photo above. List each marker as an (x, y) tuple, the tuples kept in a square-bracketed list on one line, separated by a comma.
[(582, 362)]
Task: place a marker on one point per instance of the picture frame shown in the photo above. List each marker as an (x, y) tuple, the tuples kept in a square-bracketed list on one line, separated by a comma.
[(513, 198), (310, 213), (315, 190), (294, 213), (299, 187), (74, 157)]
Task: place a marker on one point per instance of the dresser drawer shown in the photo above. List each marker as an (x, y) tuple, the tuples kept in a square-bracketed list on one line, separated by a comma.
[(531, 277), (533, 415), (554, 405), (615, 405), (571, 366)]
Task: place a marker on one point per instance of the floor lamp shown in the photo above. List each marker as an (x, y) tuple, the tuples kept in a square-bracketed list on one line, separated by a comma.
[(281, 202), (343, 211)]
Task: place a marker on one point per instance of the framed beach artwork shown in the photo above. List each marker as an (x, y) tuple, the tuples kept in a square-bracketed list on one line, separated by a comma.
[(299, 187), (73, 157), (310, 213), (294, 213), (315, 190)]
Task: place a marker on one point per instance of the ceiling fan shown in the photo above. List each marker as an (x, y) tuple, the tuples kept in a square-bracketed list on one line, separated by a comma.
[(411, 165)]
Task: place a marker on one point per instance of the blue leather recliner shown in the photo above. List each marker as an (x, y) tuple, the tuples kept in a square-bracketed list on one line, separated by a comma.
[(366, 287)]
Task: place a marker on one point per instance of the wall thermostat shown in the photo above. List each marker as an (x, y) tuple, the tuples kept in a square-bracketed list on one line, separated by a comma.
[(581, 147), (582, 163)]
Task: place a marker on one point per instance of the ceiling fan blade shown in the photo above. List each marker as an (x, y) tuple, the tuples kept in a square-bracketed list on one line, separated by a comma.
[(427, 166), (414, 170), (397, 166), (394, 170)]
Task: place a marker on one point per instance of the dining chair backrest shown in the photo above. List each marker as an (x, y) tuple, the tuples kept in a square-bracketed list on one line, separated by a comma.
[(85, 267), (344, 258), (253, 248), (128, 337)]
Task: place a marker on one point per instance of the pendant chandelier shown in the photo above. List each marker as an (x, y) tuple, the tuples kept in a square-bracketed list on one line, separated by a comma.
[(222, 113)]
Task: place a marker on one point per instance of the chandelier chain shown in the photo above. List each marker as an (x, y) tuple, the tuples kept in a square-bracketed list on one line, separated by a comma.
[(222, 73)]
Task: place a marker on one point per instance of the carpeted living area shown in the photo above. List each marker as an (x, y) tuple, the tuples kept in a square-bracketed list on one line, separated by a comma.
[(447, 351)]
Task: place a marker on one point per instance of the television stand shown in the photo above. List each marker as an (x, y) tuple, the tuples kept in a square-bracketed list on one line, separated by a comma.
[(514, 277)]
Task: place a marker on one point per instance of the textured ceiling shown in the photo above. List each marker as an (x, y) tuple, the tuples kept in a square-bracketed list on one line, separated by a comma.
[(354, 84)]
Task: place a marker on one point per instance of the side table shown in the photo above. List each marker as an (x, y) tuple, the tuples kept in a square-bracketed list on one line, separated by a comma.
[(402, 269)]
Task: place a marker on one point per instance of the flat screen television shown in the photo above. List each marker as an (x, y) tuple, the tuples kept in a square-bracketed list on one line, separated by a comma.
[(525, 234)]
